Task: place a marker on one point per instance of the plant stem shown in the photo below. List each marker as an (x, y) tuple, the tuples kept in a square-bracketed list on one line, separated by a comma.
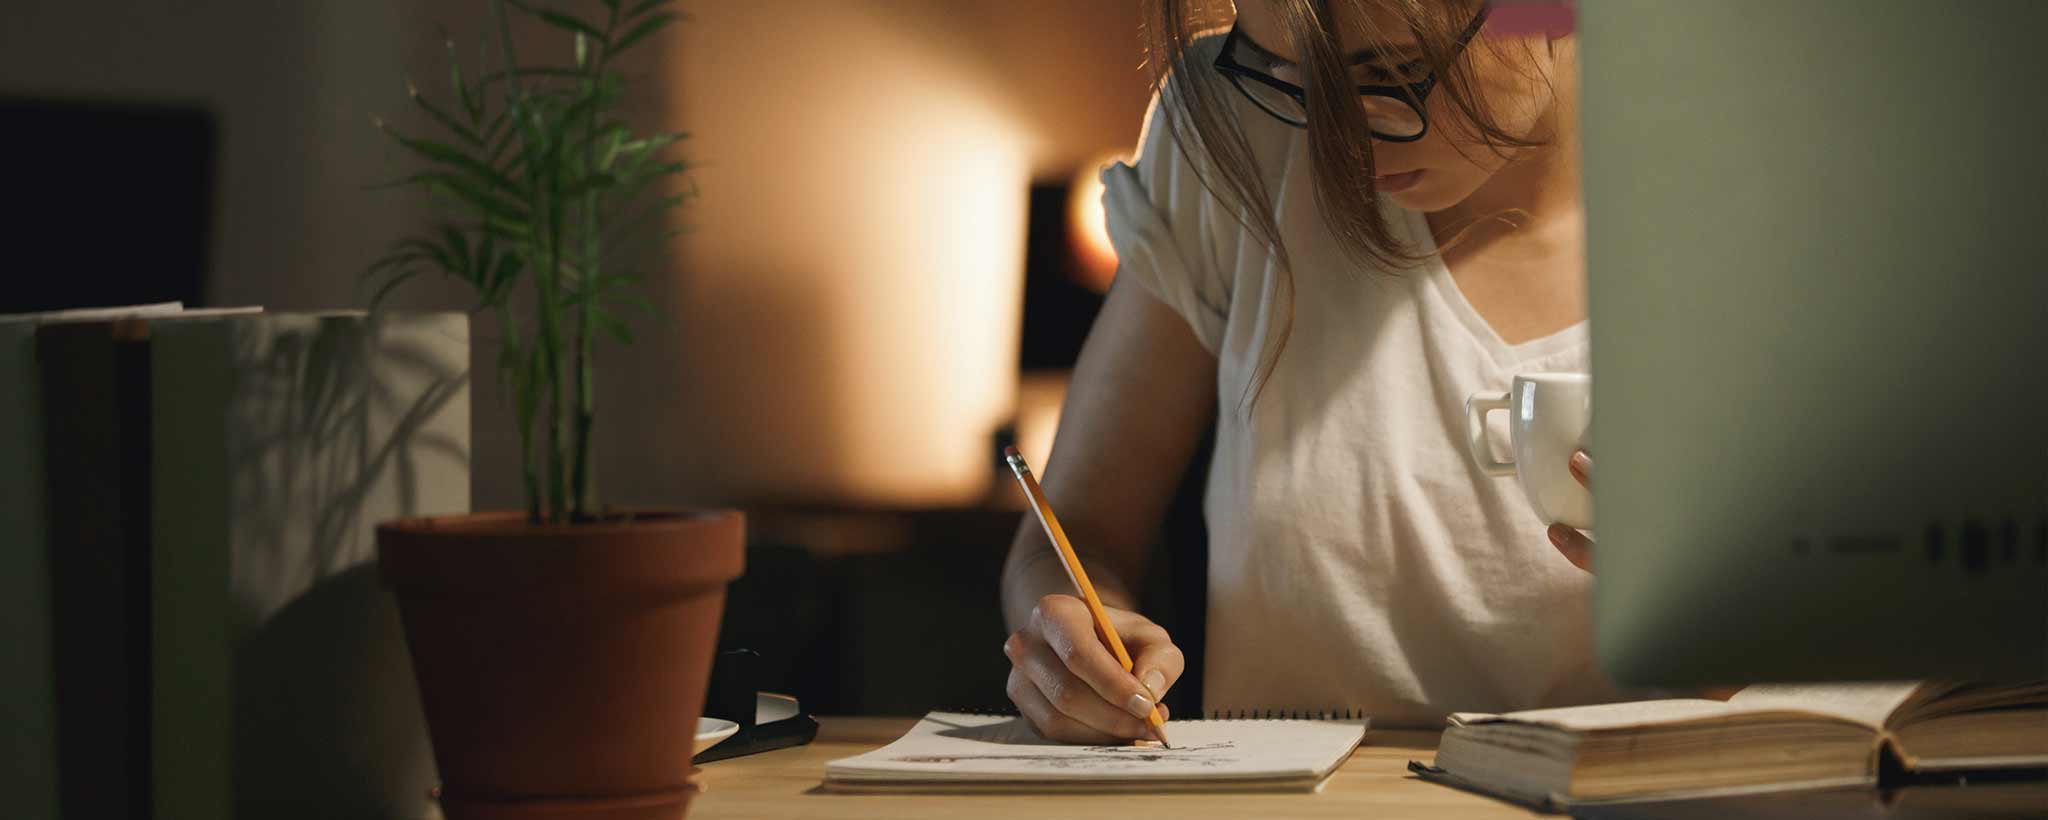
[(586, 392), (517, 367), (549, 341), (550, 306), (542, 171), (591, 278), (586, 416)]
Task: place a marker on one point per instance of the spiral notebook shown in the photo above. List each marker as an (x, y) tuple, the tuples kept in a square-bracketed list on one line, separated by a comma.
[(960, 752)]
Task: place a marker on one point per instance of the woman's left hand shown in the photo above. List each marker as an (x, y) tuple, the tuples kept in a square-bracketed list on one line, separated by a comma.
[(1577, 548)]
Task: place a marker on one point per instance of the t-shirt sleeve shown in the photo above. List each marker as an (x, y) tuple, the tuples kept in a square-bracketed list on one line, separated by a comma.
[(1163, 224)]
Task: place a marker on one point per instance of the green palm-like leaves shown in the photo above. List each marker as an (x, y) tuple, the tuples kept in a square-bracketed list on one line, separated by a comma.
[(539, 182)]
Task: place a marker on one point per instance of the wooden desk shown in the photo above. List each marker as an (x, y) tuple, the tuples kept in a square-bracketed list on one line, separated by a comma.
[(785, 785)]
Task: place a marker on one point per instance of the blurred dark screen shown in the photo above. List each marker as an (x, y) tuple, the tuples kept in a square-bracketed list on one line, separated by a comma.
[(1058, 309), (113, 203)]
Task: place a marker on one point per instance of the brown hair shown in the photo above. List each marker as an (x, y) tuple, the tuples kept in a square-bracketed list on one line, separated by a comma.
[(1199, 116)]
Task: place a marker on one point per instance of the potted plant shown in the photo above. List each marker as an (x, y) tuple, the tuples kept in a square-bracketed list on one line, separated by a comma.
[(562, 651)]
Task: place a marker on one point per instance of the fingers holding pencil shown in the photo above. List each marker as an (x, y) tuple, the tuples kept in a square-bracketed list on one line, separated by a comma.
[(1068, 630), (1064, 680), (1076, 652), (1156, 662)]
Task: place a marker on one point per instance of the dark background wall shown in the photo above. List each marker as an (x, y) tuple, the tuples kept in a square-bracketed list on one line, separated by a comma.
[(837, 322), (840, 344)]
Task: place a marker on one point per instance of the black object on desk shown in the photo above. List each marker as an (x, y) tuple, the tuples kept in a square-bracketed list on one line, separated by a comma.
[(766, 720)]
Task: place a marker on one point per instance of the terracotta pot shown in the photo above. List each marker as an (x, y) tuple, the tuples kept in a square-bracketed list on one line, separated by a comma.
[(562, 667)]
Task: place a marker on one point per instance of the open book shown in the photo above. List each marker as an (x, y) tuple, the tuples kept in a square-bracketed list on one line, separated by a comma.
[(949, 752), (1766, 738)]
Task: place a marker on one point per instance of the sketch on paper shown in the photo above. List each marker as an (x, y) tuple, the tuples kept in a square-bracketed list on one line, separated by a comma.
[(1208, 755), (952, 751)]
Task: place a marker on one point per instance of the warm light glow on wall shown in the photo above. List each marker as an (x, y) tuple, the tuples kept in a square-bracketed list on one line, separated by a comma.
[(1095, 257), (941, 308), (853, 280)]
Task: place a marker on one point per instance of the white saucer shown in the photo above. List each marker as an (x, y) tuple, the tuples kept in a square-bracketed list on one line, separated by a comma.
[(710, 731)]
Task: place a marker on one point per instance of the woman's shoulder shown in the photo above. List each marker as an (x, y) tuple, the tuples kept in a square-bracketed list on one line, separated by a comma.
[(1170, 138), (1186, 180), (1175, 229)]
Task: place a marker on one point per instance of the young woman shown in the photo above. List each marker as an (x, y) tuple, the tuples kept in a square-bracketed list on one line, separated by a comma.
[(1345, 217)]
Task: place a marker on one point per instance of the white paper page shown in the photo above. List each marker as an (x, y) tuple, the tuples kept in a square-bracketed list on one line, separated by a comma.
[(947, 746), (98, 314), (1865, 703), (1605, 715)]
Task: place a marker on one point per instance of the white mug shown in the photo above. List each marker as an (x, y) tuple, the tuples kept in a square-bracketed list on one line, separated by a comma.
[(1548, 416)]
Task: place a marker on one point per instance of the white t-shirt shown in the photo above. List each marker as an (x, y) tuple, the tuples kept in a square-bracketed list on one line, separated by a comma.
[(1357, 559)]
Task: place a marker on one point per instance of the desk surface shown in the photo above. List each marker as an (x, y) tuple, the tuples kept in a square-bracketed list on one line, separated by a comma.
[(785, 784)]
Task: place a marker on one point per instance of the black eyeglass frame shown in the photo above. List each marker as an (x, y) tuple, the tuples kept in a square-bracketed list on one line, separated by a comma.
[(1412, 94)]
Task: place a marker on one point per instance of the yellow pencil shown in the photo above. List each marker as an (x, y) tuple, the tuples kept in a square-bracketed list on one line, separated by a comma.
[(1079, 576)]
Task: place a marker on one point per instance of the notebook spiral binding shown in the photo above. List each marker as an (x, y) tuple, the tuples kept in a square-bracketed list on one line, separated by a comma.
[(1285, 714), (1212, 714)]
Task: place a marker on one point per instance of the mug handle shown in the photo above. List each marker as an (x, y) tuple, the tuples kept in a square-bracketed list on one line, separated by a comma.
[(1476, 409)]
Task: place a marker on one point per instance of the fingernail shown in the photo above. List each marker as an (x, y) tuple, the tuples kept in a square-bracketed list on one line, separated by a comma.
[(1556, 536), (1582, 464), (1154, 681), (1139, 705)]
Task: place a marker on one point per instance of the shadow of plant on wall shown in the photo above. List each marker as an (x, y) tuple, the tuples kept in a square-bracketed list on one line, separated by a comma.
[(343, 421), (336, 429)]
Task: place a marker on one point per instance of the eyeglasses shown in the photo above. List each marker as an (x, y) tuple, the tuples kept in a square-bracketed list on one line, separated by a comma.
[(1393, 111)]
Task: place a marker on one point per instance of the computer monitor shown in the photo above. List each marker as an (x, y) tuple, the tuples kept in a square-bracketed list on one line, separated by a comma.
[(1817, 250)]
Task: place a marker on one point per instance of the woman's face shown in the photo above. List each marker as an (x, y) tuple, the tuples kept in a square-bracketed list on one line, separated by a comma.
[(1449, 163)]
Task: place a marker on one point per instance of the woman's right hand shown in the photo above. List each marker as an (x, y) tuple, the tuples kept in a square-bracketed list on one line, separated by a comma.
[(1065, 681)]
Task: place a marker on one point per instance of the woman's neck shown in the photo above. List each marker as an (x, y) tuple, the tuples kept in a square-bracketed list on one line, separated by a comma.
[(1539, 190), (1539, 187)]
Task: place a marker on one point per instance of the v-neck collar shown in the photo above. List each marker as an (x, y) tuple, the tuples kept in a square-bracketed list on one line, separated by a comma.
[(1508, 356)]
